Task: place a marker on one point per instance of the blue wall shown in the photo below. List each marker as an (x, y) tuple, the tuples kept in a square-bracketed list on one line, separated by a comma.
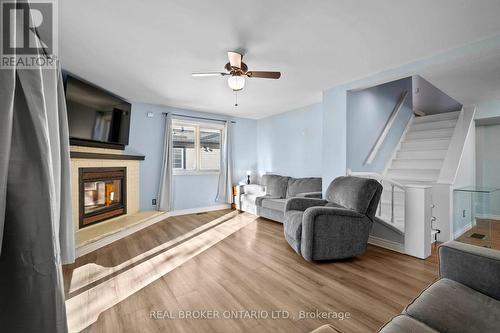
[(334, 134), (146, 138), (368, 111), (290, 143)]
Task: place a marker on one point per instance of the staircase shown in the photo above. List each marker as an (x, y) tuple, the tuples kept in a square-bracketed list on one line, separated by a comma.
[(418, 161)]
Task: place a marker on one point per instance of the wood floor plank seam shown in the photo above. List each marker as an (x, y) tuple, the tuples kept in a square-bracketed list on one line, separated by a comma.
[(242, 263)]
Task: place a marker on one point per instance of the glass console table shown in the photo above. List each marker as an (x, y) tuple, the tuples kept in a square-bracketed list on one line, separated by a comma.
[(476, 216)]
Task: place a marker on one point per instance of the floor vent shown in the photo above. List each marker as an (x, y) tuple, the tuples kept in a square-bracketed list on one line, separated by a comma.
[(202, 213), (477, 236)]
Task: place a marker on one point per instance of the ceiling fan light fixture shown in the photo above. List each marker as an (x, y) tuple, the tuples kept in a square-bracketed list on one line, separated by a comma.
[(236, 82)]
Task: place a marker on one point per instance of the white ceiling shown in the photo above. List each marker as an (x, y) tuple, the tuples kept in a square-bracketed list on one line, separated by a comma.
[(145, 51)]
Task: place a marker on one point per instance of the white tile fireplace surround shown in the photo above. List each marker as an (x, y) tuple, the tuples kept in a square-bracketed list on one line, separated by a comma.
[(93, 230)]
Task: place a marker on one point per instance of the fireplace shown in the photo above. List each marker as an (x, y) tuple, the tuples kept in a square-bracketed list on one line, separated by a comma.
[(102, 194)]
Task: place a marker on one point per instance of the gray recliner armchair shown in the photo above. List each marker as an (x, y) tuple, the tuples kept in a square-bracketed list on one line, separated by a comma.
[(337, 227)]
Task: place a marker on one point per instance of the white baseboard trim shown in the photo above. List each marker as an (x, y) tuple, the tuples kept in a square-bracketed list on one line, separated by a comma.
[(198, 210), (87, 248), (386, 244), (488, 216), (462, 230)]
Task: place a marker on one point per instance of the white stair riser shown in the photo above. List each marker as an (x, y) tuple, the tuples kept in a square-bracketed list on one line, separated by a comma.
[(416, 164), (446, 133), (437, 117), (421, 154), (434, 125), (421, 175), (438, 144), (414, 172)]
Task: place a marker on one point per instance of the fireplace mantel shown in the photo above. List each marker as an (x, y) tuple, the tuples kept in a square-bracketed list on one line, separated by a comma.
[(100, 156)]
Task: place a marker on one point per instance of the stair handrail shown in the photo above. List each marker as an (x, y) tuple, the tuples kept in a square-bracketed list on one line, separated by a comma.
[(387, 128), (378, 176)]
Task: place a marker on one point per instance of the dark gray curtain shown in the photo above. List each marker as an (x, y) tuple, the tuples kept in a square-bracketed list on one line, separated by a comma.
[(36, 229)]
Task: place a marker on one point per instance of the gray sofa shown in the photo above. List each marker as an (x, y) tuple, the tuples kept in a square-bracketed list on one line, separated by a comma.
[(268, 198), (337, 227), (465, 299)]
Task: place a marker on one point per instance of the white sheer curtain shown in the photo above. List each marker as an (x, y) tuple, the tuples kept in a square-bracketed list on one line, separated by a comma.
[(165, 190), (224, 190), (36, 228)]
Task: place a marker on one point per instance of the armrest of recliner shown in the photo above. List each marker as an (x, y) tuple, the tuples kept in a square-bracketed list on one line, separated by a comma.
[(316, 195), (303, 203), (474, 266), (340, 225), (313, 212)]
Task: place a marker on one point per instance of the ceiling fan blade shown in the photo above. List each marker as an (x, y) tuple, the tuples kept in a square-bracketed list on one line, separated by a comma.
[(264, 75), (234, 59), (209, 74)]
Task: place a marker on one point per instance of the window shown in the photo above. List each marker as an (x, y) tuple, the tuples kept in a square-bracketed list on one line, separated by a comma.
[(196, 147), (210, 149), (184, 142), (179, 159)]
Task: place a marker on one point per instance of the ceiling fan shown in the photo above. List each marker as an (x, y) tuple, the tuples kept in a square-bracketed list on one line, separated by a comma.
[(237, 70)]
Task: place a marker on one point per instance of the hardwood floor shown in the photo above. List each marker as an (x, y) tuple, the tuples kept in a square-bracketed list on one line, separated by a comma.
[(224, 261), (489, 229)]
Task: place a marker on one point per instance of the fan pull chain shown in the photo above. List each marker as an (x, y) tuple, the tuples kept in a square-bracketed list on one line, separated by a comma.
[(235, 99)]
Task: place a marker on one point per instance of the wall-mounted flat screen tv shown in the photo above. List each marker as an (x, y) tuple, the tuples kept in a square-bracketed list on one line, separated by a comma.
[(96, 117)]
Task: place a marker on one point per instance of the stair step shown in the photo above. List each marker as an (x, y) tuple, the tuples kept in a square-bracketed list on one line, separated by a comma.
[(417, 163), (432, 125), (422, 182), (437, 117), (422, 154), (412, 172), (425, 144), (430, 175), (431, 134)]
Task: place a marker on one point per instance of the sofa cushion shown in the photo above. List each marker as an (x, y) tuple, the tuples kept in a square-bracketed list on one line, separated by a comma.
[(448, 306), (271, 214), (302, 185), (274, 204), (406, 324), (275, 185), (354, 193)]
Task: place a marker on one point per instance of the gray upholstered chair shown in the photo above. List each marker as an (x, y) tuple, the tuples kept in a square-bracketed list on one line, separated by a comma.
[(337, 227)]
